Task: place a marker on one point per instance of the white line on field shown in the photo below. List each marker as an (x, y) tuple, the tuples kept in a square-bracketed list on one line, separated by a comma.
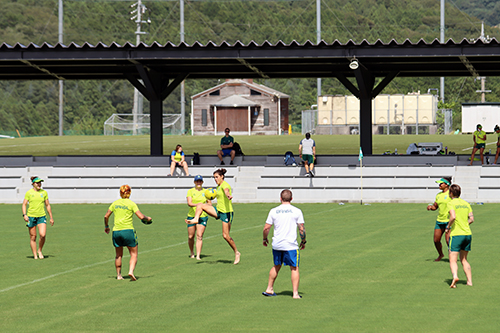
[(470, 148), (148, 251), (105, 262)]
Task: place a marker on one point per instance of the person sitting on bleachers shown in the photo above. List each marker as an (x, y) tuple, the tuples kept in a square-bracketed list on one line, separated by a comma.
[(177, 159)]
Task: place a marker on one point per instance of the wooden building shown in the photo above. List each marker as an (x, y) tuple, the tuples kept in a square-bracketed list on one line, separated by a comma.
[(245, 107)]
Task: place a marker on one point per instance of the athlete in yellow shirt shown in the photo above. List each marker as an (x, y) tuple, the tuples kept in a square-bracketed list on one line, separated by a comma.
[(497, 132), (178, 159), (223, 211), (460, 234), (34, 216), (123, 230), (479, 138), (441, 203), (195, 196)]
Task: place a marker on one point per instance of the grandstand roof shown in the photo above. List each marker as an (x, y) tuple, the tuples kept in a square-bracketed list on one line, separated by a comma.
[(163, 67), (252, 60)]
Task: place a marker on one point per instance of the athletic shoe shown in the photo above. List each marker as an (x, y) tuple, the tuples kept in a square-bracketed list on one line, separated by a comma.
[(222, 163), (231, 163), (307, 175), (311, 173)]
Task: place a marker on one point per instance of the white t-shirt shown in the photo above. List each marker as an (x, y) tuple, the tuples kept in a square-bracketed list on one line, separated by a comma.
[(285, 219), (307, 146)]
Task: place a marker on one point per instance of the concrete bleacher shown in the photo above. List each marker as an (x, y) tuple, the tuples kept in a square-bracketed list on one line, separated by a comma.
[(85, 179), (375, 184)]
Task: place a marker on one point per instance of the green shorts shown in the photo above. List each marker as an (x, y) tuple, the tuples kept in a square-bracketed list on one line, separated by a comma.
[(440, 225), (479, 145), (225, 217), (34, 221), (126, 237), (202, 220), (308, 158), (460, 243)]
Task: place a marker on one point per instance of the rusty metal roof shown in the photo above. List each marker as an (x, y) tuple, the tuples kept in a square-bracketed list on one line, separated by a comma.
[(252, 60)]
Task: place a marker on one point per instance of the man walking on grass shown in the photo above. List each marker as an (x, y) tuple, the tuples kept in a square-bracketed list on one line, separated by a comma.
[(286, 219)]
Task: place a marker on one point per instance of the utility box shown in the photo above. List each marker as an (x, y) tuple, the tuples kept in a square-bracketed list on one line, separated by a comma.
[(430, 148)]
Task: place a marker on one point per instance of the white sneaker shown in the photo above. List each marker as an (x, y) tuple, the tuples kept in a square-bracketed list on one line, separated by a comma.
[(307, 175)]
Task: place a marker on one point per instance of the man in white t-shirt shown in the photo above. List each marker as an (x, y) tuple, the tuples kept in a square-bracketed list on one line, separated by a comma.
[(307, 152), (285, 219)]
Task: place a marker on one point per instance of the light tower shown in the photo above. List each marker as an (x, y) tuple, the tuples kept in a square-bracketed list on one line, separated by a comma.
[(138, 13), (483, 78)]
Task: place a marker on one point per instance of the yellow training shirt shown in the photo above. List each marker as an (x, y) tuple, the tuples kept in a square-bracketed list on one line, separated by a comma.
[(224, 205), (124, 210), (442, 199), (461, 225)]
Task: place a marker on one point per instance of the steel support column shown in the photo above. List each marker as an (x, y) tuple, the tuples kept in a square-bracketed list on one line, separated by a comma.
[(365, 81), (365, 92), (156, 88)]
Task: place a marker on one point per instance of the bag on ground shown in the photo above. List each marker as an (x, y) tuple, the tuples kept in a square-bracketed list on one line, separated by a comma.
[(196, 159), (289, 159), (237, 149)]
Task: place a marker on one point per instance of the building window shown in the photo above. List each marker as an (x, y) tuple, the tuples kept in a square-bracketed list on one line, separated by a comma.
[(204, 117), (254, 92), (266, 117), (215, 93)]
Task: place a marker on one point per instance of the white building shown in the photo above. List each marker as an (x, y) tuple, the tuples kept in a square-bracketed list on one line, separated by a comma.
[(486, 114), (414, 113)]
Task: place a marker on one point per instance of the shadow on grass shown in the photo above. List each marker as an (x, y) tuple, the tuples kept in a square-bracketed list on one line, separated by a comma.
[(126, 277), (442, 260), (215, 262), (462, 282), (201, 256), (288, 293), (45, 256)]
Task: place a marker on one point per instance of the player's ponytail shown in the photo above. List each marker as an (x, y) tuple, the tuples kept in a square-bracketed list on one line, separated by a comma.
[(220, 172)]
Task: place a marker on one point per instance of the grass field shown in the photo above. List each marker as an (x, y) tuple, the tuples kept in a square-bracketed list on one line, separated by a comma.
[(365, 269), (208, 145)]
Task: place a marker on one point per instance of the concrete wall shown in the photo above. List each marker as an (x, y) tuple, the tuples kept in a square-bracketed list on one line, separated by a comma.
[(258, 183)]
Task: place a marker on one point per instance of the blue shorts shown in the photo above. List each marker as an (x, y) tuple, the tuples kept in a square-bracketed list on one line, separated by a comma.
[(127, 237), (440, 225), (34, 221), (202, 220), (226, 152), (460, 243), (289, 258), (224, 217)]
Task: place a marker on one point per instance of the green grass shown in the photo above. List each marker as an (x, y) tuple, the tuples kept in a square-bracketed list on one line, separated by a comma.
[(208, 145), (365, 269)]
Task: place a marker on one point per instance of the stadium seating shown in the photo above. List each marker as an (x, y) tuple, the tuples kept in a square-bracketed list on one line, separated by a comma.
[(258, 179)]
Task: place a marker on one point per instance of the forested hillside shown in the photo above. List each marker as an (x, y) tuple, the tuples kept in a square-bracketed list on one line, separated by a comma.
[(486, 10), (32, 107)]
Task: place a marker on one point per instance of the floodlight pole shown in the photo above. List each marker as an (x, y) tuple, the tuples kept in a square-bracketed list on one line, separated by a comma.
[(183, 98), (318, 36), (61, 84), (138, 11), (441, 39), (483, 78)]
